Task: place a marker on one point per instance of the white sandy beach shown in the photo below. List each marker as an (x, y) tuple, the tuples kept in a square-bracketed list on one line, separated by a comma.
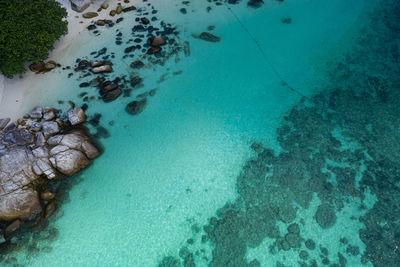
[(14, 102)]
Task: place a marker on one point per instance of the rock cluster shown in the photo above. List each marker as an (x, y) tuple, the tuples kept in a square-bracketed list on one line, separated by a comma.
[(34, 150), (43, 67)]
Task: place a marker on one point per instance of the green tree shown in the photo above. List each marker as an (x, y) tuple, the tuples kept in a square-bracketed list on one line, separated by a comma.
[(28, 30)]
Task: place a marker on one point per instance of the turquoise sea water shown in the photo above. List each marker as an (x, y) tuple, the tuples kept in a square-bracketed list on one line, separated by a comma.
[(240, 159)]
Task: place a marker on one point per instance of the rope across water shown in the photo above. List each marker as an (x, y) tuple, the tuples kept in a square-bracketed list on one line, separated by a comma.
[(264, 55)]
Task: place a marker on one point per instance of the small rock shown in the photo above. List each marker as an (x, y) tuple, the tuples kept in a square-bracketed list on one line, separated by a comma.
[(97, 63), (137, 64), (101, 69), (3, 123), (112, 95), (130, 49), (100, 22), (108, 88), (40, 140), (153, 50), (76, 116), (136, 80), (50, 65), (156, 41), (36, 126), (89, 15), (145, 21), (153, 92), (47, 195), (286, 20), (50, 128), (206, 36), (54, 140), (37, 68), (79, 5), (127, 9), (112, 13), (48, 116), (104, 5), (255, 3), (36, 113), (119, 9)]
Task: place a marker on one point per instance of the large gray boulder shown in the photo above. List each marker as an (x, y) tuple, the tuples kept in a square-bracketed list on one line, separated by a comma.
[(34, 149), (80, 5), (17, 199), (71, 161)]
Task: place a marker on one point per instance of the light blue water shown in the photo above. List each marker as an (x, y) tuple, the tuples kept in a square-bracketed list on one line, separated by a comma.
[(176, 163)]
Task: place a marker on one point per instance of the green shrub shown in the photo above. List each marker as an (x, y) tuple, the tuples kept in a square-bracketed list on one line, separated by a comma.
[(28, 30)]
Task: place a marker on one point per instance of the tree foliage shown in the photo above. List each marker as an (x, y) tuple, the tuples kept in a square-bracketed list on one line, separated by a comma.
[(28, 30)]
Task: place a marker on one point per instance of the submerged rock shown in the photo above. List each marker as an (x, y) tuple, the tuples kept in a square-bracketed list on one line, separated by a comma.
[(136, 80), (255, 3), (209, 37), (112, 95), (137, 64), (136, 107), (12, 227), (47, 195)]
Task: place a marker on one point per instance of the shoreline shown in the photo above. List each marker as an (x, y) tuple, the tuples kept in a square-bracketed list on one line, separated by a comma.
[(13, 101)]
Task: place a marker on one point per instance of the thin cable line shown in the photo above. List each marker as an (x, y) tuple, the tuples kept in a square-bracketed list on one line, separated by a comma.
[(264, 55)]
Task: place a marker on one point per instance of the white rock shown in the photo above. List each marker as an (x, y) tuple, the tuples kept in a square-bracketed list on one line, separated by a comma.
[(36, 113), (73, 141), (55, 140), (40, 152), (48, 116), (50, 127), (36, 126), (101, 69), (57, 149), (40, 140), (76, 116), (71, 162)]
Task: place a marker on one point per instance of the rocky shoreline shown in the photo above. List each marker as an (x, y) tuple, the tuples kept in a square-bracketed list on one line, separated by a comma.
[(36, 152)]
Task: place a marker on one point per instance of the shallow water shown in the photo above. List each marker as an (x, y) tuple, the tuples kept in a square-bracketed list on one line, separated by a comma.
[(276, 137)]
